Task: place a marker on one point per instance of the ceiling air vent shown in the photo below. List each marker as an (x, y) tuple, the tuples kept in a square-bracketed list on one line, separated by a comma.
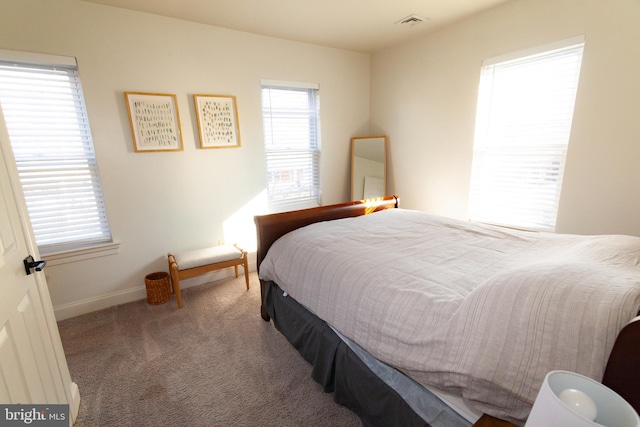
[(412, 20)]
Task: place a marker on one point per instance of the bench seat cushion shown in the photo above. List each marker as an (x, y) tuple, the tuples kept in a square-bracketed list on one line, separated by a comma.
[(206, 256)]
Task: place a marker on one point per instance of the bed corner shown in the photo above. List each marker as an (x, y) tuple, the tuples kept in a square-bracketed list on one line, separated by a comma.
[(272, 226)]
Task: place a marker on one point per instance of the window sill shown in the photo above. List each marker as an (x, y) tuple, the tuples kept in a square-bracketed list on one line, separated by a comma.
[(65, 257)]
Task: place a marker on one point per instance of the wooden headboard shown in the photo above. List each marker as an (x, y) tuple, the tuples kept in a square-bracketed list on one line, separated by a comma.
[(270, 227)]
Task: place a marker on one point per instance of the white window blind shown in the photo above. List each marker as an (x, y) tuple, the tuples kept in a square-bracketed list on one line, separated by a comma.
[(292, 145), (525, 110), (44, 110)]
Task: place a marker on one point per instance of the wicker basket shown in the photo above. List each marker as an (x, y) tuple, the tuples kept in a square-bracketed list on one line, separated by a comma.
[(158, 288)]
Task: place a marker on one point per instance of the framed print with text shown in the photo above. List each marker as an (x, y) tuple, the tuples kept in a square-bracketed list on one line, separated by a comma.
[(217, 121), (155, 121)]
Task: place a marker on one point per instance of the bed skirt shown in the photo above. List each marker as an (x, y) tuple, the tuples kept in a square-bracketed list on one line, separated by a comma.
[(339, 370)]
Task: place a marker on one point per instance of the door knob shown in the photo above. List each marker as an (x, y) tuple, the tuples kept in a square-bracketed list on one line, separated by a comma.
[(29, 263)]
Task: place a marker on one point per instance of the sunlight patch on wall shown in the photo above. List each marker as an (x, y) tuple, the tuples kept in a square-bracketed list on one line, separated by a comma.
[(239, 228)]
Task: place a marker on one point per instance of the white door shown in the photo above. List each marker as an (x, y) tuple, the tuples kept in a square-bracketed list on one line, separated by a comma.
[(33, 368)]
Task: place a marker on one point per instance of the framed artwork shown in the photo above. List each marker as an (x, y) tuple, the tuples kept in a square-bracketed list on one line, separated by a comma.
[(217, 121), (155, 121)]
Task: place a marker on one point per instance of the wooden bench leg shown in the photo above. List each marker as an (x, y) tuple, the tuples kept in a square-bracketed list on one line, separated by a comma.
[(245, 264), (175, 279)]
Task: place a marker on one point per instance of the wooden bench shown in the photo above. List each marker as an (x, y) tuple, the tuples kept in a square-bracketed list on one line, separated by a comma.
[(193, 263)]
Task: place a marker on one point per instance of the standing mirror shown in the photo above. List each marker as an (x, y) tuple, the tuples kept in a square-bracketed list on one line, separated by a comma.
[(368, 167)]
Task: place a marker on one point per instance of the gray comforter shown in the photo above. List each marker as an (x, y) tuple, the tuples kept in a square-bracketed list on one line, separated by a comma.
[(479, 311)]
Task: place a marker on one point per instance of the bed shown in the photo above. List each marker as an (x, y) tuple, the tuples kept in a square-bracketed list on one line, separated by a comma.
[(414, 319)]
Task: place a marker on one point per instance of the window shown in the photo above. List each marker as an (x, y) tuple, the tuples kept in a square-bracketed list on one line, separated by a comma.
[(525, 109), (291, 116), (43, 107)]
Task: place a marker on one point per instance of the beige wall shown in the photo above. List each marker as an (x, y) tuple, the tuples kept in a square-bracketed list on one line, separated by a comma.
[(423, 96), (160, 202)]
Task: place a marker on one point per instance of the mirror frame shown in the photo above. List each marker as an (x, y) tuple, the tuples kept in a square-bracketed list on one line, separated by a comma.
[(354, 140)]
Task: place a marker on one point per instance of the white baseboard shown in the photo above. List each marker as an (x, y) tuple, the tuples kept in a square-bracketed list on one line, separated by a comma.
[(101, 302)]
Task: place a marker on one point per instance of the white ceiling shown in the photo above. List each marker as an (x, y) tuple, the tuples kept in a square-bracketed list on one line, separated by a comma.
[(358, 25)]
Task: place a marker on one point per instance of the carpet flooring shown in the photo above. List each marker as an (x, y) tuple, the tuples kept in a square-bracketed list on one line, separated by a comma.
[(213, 363)]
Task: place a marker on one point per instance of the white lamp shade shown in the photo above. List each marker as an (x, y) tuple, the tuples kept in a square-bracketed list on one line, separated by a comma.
[(548, 410)]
